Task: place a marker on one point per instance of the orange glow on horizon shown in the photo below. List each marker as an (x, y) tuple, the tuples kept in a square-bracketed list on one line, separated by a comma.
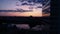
[(35, 12)]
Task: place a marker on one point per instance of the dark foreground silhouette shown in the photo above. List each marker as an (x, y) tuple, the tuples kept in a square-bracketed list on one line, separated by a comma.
[(32, 21), (4, 29)]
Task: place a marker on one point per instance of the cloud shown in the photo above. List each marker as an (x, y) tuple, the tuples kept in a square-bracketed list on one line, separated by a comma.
[(35, 1)]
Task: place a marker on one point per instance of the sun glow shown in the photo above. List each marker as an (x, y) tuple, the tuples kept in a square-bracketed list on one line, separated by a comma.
[(36, 12)]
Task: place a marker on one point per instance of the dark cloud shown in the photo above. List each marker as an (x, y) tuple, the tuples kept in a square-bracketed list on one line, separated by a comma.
[(39, 6), (26, 4), (35, 1)]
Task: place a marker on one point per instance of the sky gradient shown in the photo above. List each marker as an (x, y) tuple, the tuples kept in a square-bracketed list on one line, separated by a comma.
[(8, 4), (11, 5)]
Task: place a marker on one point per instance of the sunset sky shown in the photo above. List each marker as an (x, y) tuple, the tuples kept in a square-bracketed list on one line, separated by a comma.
[(11, 5), (8, 4)]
